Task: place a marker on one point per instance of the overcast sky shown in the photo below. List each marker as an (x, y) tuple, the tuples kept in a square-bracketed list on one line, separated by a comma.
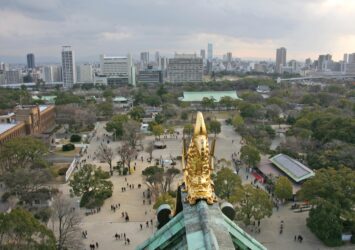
[(247, 28)]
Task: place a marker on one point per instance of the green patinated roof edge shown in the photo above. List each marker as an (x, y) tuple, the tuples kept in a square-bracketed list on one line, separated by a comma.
[(163, 234), (242, 236), (197, 96)]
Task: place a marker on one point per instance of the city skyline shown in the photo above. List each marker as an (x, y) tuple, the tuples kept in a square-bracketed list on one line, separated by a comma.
[(248, 30)]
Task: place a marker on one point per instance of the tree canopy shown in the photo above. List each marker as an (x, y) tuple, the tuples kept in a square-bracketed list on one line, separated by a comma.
[(227, 184), (250, 155), (283, 188), (20, 230), (253, 204), (91, 184)]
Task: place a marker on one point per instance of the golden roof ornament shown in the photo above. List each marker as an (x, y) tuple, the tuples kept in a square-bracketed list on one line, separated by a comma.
[(197, 164)]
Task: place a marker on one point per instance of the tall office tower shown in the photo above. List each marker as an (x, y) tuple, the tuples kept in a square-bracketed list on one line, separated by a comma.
[(118, 69), (163, 63), (210, 51), (48, 73), (68, 66), (280, 59), (229, 57), (351, 58), (157, 58), (144, 59), (31, 61), (325, 62), (185, 68), (84, 73), (345, 58), (203, 54)]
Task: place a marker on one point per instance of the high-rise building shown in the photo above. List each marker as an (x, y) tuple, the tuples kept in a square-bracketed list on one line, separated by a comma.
[(144, 59), (157, 58), (84, 73), (229, 57), (210, 51), (68, 66), (280, 59), (31, 61), (325, 62), (118, 69), (13, 76), (203, 54), (185, 68)]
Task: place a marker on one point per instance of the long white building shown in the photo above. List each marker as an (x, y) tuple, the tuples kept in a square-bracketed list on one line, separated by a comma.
[(118, 69)]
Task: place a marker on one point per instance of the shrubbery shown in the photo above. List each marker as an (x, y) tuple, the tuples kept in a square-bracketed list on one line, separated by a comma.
[(75, 138), (68, 147), (62, 171)]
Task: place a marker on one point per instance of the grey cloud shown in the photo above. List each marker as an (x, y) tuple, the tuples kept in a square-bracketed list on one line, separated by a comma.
[(117, 26)]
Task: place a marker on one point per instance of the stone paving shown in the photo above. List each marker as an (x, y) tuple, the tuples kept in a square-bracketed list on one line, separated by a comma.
[(101, 227)]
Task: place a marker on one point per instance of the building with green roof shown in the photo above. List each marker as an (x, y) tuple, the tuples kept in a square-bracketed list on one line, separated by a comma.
[(197, 96)]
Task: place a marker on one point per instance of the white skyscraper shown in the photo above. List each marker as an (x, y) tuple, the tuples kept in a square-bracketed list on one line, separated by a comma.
[(210, 52), (68, 66)]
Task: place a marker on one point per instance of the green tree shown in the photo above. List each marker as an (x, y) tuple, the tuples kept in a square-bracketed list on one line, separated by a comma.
[(283, 188), (158, 130), (208, 103), (250, 155), (169, 175), (227, 184), (253, 204), (105, 108), (115, 125), (226, 101), (137, 113), (214, 127), (324, 221), (89, 183), (20, 230), (334, 186), (22, 152), (237, 121)]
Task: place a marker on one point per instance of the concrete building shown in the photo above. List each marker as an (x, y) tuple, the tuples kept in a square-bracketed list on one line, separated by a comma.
[(31, 61), (203, 54), (324, 63), (280, 59), (185, 68), (84, 73), (144, 59), (118, 69), (210, 51), (68, 66), (229, 57), (52, 73), (150, 76), (13, 76), (26, 120)]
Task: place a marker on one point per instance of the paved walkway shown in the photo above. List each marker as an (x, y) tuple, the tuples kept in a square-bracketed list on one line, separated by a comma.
[(101, 227)]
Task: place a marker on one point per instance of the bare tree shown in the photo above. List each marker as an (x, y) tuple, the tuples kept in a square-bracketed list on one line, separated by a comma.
[(132, 133), (105, 154), (126, 152), (66, 224), (150, 148)]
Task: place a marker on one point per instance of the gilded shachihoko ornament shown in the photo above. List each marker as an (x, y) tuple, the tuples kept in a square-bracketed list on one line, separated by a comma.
[(197, 163)]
